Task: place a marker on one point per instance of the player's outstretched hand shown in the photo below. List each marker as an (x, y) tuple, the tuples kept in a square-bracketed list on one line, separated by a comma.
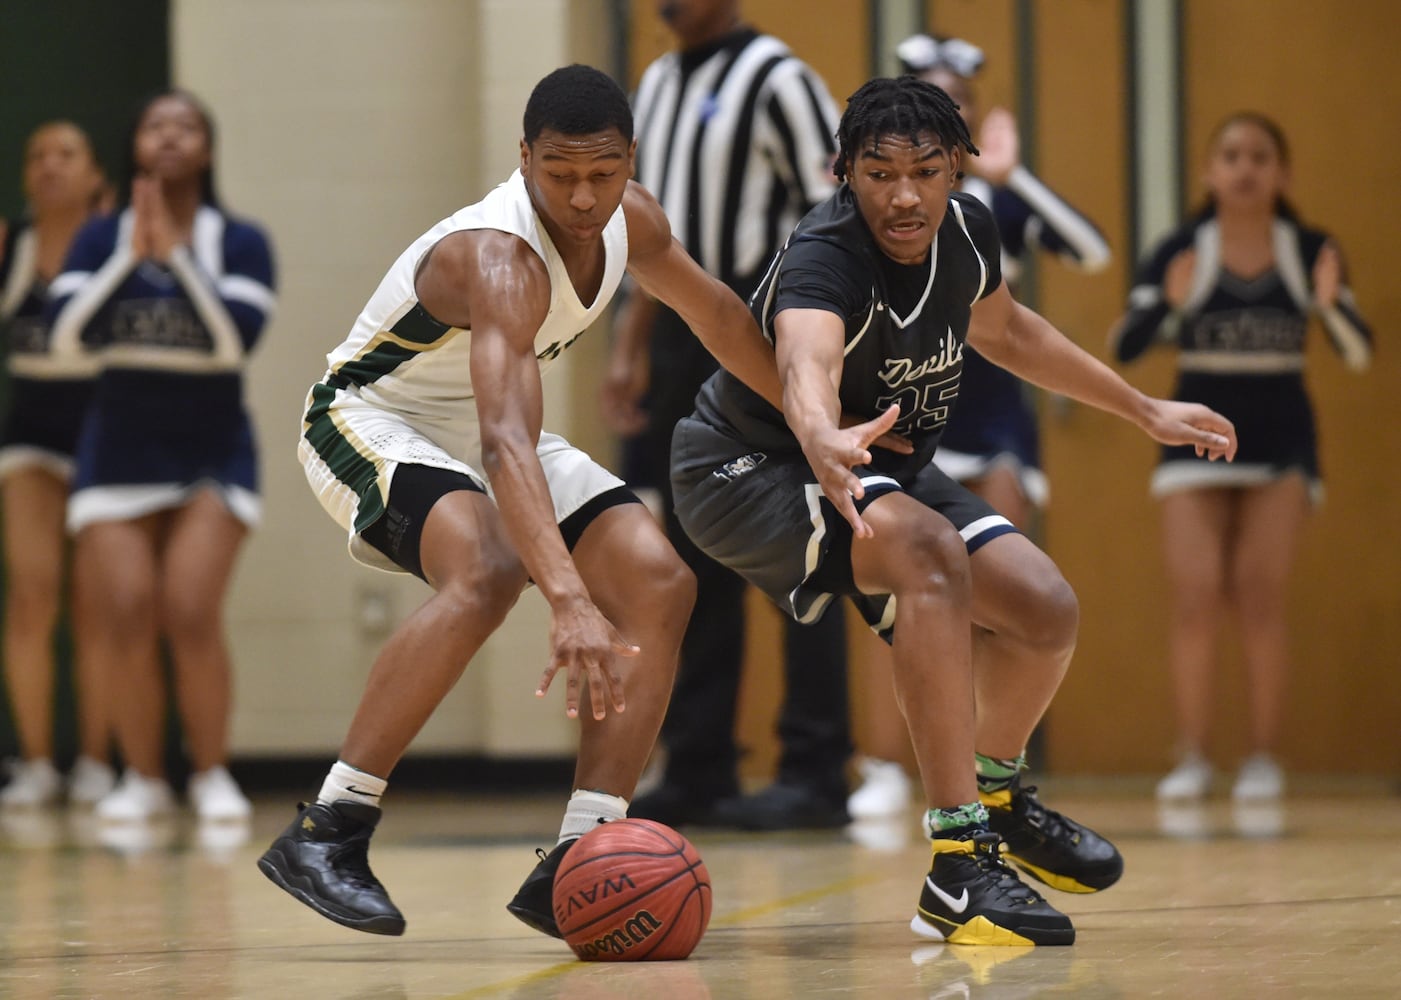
[(836, 452), (585, 645), (1173, 422)]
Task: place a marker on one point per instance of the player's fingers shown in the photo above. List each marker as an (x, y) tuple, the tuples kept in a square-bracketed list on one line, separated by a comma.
[(1213, 445), (1223, 434), (615, 687), (846, 506), (1209, 440), (873, 429), (571, 696), (545, 679), (598, 690), (850, 483)]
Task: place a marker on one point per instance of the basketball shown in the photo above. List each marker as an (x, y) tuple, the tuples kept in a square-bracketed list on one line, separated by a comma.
[(630, 891)]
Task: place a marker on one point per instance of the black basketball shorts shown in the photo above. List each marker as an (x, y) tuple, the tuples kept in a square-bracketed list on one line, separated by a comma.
[(763, 515)]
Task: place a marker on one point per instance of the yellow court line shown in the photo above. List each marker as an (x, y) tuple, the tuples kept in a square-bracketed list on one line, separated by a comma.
[(729, 920), (764, 909), (539, 976)]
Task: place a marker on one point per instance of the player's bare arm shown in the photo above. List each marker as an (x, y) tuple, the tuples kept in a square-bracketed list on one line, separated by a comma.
[(711, 309), (1026, 344), (497, 285), (809, 344)]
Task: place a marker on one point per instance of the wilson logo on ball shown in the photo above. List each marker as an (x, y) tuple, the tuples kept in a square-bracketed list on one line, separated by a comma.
[(638, 928)]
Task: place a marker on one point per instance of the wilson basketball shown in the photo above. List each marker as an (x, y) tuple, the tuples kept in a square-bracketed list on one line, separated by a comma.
[(632, 890)]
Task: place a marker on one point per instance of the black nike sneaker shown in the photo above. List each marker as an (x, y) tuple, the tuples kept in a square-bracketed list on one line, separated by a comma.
[(534, 902), (971, 896), (1048, 846), (322, 860)]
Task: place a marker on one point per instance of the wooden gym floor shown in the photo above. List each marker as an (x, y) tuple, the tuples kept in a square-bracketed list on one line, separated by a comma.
[(1299, 901)]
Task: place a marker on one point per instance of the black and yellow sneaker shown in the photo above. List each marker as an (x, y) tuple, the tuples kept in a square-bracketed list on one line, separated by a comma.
[(1048, 846), (322, 860), (534, 902), (971, 897)]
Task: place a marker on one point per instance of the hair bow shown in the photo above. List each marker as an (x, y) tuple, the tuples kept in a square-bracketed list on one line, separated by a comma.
[(919, 53)]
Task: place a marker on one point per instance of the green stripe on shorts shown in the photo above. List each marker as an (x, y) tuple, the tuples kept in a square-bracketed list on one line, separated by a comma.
[(344, 460)]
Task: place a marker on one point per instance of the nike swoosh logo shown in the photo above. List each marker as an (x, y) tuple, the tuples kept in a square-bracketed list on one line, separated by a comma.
[(957, 905), (375, 795)]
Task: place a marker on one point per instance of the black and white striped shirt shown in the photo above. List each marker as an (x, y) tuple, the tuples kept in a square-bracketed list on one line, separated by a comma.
[(736, 140)]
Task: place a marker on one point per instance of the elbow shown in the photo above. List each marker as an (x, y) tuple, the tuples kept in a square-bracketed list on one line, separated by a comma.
[(503, 448), (495, 452)]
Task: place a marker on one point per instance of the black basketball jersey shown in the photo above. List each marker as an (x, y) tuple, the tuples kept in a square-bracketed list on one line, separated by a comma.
[(905, 324)]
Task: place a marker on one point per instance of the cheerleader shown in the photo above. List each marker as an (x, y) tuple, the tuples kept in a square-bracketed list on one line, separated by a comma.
[(170, 296), (47, 399), (1233, 290)]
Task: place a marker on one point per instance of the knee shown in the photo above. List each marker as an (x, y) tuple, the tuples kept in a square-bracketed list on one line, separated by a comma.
[(1054, 619), (118, 604), (937, 562), (668, 585), (1257, 598), (126, 622), (646, 590), (187, 620), (1199, 595), (486, 591)]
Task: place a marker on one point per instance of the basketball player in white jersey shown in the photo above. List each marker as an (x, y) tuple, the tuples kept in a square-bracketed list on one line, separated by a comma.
[(424, 442)]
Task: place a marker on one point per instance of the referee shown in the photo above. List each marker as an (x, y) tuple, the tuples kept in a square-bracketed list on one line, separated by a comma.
[(735, 138)]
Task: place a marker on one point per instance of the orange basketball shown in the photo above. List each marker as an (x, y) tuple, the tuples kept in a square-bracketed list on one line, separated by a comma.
[(632, 890)]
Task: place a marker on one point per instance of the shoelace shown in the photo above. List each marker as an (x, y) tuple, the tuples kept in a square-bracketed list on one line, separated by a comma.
[(987, 856), (352, 861), (1048, 820)]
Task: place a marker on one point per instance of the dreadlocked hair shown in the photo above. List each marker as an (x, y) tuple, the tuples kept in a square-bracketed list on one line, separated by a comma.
[(904, 106)]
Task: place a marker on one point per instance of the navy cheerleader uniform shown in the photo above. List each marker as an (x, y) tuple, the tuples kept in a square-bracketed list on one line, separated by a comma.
[(1241, 352), (167, 416), (48, 395)]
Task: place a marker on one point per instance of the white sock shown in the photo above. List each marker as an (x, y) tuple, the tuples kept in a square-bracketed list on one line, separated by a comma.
[(346, 783), (588, 809)]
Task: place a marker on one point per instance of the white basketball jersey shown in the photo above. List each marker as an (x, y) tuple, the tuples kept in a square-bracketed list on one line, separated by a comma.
[(400, 359)]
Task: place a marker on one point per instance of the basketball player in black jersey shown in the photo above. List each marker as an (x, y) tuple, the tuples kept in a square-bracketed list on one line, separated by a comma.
[(869, 305)]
